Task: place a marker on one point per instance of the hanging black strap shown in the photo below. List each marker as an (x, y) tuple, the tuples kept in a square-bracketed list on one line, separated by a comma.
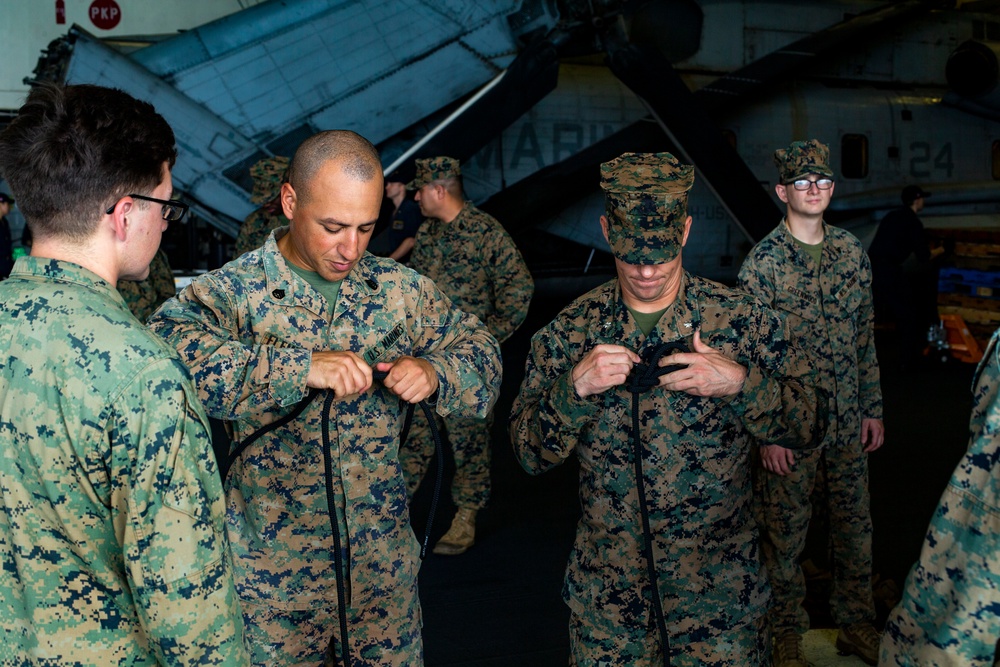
[(261, 432), (438, 454), (338, 556), (643, 378)]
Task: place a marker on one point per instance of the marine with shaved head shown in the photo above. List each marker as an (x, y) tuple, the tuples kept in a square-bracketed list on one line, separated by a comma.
[(316, 502)]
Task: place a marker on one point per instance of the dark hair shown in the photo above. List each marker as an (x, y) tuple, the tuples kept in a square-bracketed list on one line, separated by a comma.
[(912, 193), (356, 155), (73, 151)]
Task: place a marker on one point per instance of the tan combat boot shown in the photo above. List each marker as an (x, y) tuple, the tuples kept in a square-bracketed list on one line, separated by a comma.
[(460, 536), (788, 650), (859, 639)]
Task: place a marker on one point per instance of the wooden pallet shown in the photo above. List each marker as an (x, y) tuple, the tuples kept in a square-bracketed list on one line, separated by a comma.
[(969, 287), (969, 248)]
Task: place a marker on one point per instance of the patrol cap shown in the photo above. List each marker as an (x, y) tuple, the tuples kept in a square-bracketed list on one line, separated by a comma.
[(268, 175), (432, 169), (911, 193), (6, 198), (801, 158), (646, 203)]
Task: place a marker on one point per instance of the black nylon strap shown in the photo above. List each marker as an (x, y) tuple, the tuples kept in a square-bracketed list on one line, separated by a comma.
[(379, 376), (643, 378)]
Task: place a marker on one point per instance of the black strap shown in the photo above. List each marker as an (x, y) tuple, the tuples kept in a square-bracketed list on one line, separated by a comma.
[(259, 433), (338, 556), (439, 455), (330, 499), (643, 378)]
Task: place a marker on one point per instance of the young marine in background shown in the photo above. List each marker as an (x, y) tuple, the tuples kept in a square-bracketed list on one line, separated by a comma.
[(817, 277)]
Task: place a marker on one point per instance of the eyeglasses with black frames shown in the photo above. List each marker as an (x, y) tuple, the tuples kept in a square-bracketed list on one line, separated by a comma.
[(805, 183), (172, 210)]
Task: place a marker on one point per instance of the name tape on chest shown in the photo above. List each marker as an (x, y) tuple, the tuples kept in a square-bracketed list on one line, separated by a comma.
[(847, 285), (375, 353), (801, 293)]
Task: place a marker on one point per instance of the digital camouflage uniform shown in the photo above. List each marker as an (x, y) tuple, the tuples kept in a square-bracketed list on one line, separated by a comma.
[(474, 261), (113, 544), (828, 312), (695, 451), (950, 611), (247, 330), (268, 175), (143, 297)]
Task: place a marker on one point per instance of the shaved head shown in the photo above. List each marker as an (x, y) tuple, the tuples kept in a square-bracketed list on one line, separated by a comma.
[(355, 155)]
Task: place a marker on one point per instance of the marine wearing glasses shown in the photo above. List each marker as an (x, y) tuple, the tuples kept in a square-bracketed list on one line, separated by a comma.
[(172, 210), (805, 183)]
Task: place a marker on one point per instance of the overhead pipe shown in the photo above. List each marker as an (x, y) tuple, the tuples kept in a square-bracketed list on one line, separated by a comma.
[(445, 123)]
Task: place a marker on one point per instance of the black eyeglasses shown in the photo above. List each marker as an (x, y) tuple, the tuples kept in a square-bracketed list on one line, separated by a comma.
[(172, 210), (805, 183)]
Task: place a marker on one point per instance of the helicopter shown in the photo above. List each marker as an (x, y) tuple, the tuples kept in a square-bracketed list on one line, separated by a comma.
[(532, 96)]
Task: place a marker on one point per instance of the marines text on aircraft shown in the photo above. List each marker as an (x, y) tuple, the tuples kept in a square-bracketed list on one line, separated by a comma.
[(532, 95)]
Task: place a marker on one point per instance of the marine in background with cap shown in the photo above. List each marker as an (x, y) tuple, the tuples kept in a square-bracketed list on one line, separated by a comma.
[(817, 277), (904, 283), (312, 310), (743, 380), (268, 174), (472, 259)]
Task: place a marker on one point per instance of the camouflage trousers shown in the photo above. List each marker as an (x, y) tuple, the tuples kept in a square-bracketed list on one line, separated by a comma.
[(380, 635), (470, 445), (837, 474), (597, 640)]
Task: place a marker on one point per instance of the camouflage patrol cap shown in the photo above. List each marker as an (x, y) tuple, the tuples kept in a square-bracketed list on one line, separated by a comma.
[(646, 202), (268, 175), (801, 158), (432, 169)]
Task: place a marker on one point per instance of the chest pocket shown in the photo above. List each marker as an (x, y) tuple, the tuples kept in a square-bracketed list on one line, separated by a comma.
[(384, 346), (706, 434), (846, 301), (799, 311), (691, 410)]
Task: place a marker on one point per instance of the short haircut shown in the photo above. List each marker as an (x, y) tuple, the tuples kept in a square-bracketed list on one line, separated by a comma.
[(356, 155), (73, 151), (453, 186)]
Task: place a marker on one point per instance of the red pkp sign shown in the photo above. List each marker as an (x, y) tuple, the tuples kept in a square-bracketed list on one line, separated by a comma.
[(105, 14)]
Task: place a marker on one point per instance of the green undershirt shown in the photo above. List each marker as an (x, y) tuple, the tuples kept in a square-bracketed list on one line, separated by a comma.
[(329, 289), (814, 251), (646, 321)]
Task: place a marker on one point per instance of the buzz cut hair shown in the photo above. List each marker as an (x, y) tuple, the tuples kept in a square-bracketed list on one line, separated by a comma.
[(357, 157), (453, 186)]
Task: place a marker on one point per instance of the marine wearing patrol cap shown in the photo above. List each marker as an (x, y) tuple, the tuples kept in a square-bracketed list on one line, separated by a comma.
[(268, 175), (646, 203), (432, 169), (802, 158)]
